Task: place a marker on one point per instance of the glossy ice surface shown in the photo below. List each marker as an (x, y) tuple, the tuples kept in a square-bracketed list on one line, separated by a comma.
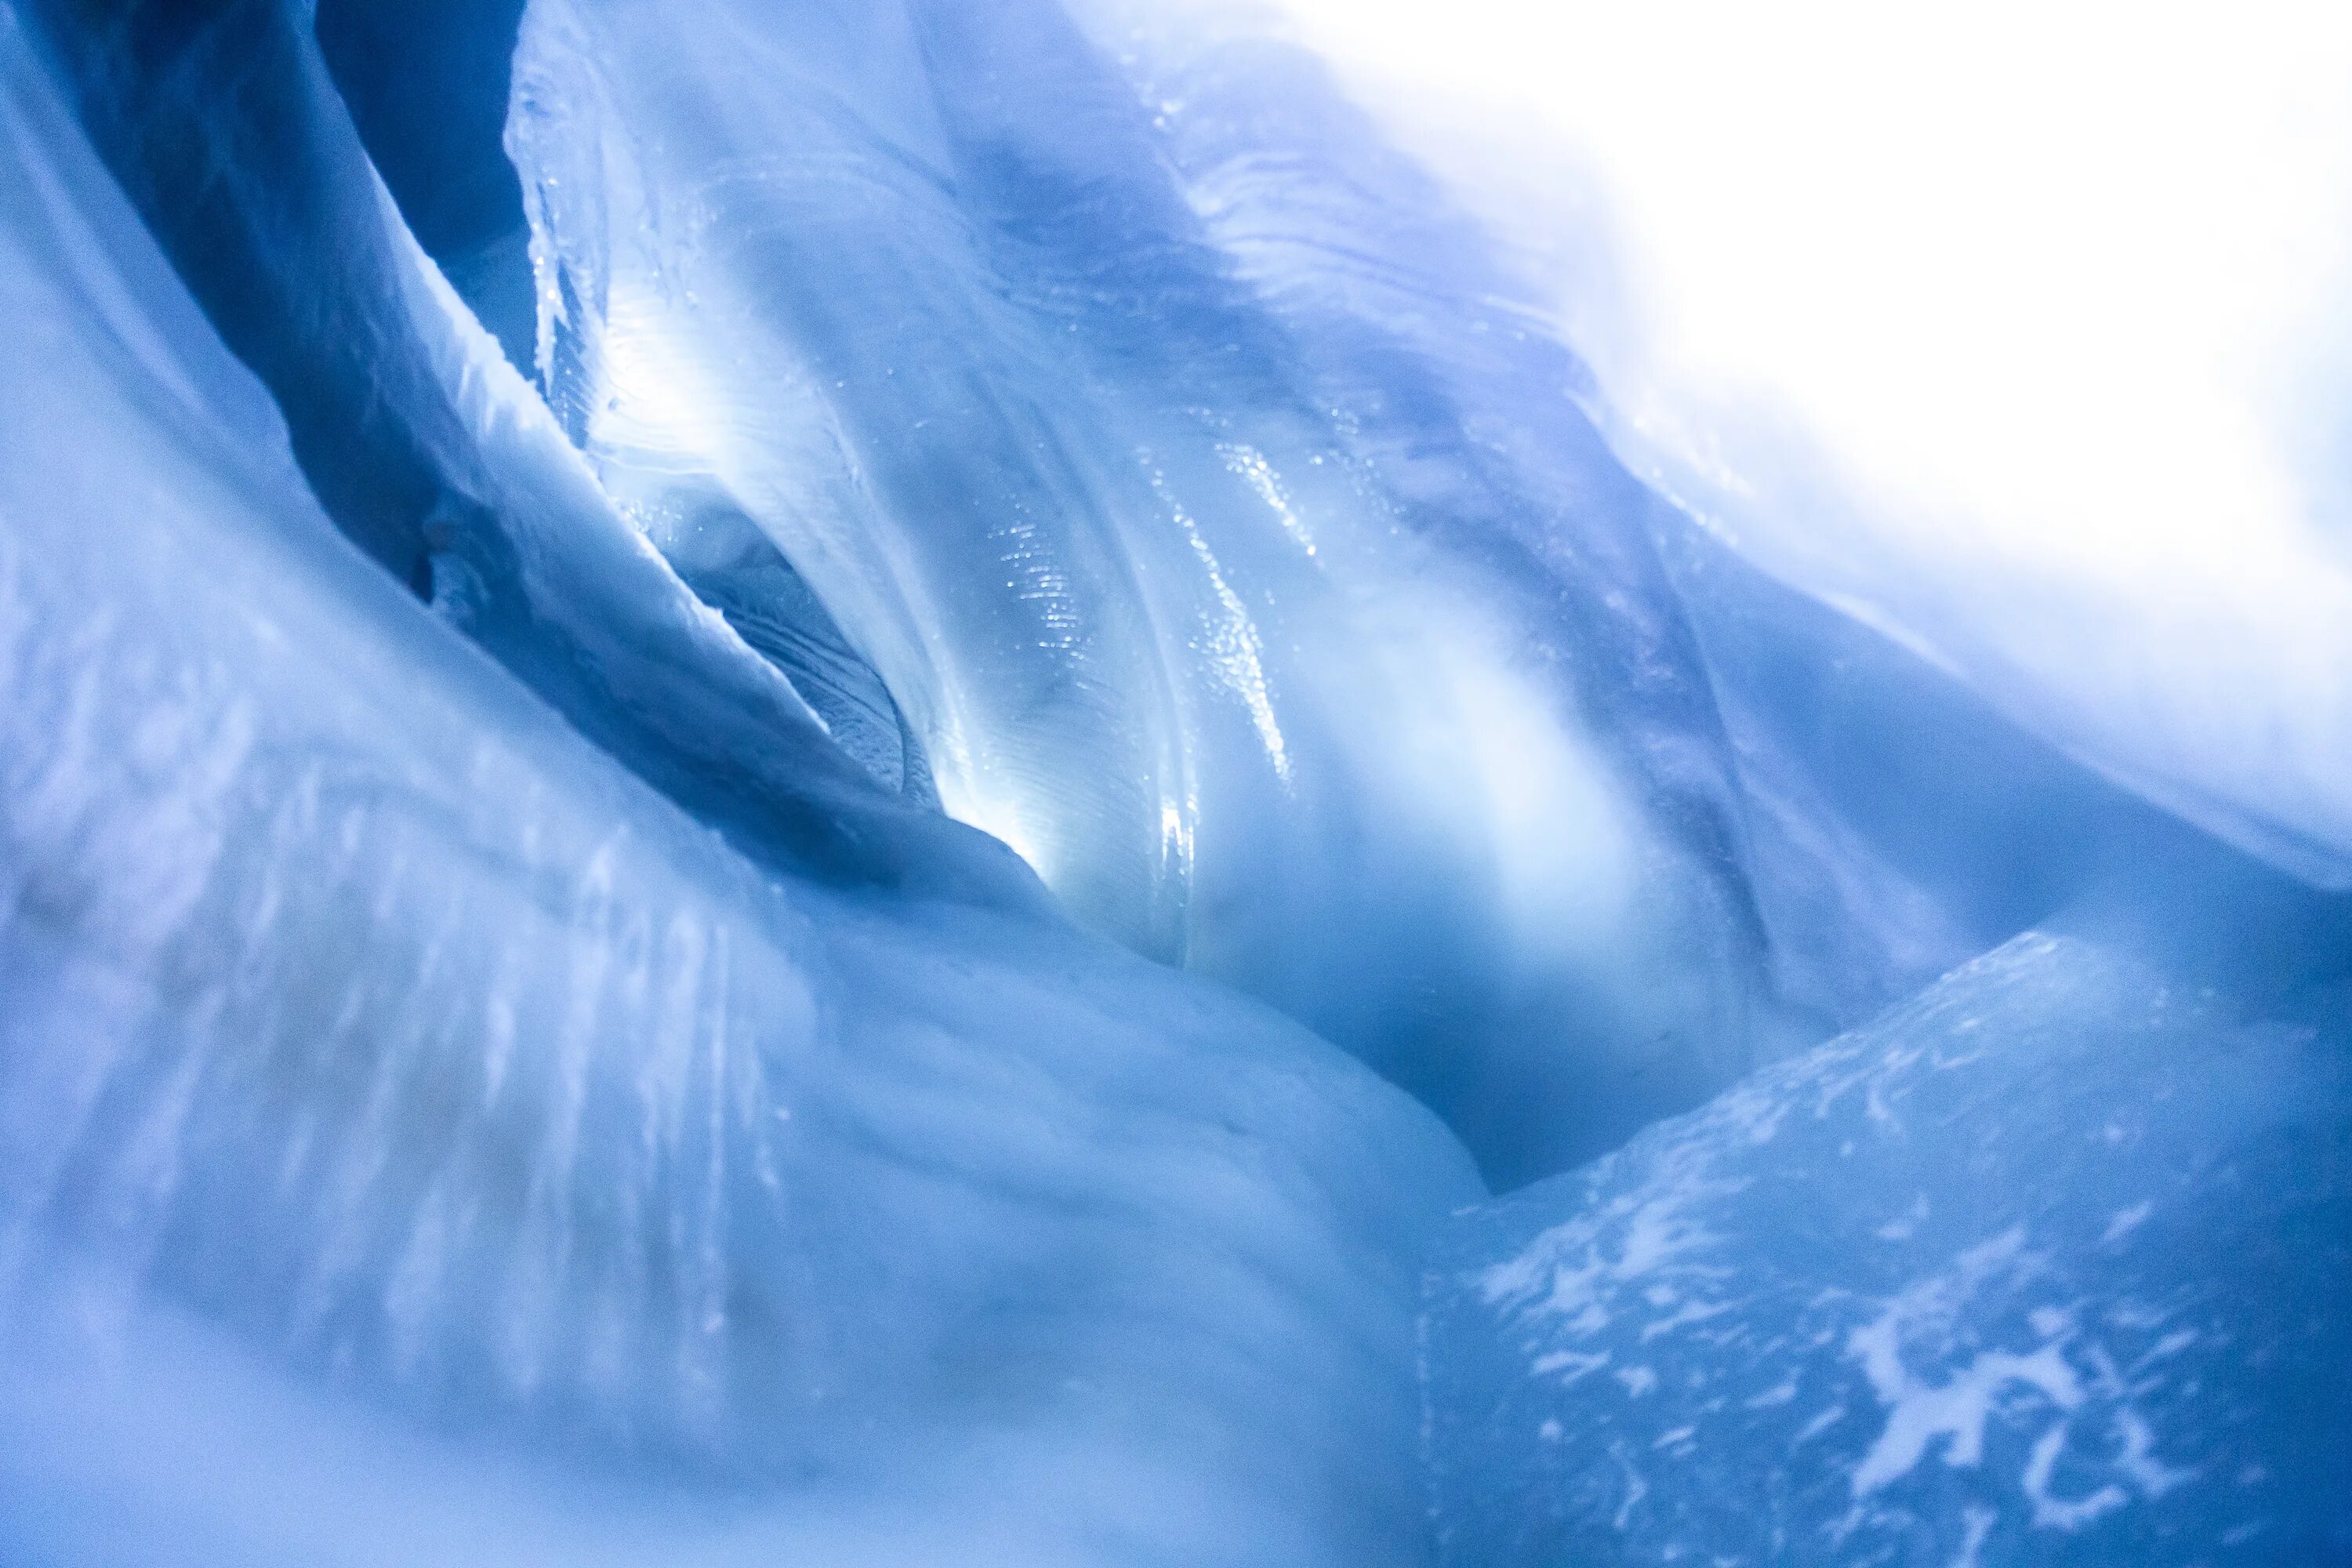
[(419, 1138), (829, 782)]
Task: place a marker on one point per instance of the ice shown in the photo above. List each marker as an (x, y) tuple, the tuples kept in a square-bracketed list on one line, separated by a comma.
[(658, 657), (2054, 394), (2038, 1267), (426, 85), (433, 455), (1221, 635), (421, 1139), (1227, 580), (1886, 822)]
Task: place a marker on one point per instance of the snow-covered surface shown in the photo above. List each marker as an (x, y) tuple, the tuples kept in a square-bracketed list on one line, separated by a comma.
[(2046, 1265)]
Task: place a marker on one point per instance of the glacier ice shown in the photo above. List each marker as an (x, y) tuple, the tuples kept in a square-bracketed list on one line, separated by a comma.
[(657, 661), (916, 303), (426, 85), (1885, 820), (433, 454), (393, 1086), (2017, 330), (2046, 1265)]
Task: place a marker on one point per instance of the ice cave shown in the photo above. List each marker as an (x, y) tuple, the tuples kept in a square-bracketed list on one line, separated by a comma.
[(1175, 784)]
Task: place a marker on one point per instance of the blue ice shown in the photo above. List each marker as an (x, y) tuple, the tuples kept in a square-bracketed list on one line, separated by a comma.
[(2040, 1266), (926, 781)]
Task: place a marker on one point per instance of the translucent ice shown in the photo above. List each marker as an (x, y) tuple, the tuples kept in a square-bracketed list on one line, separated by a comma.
[(1239, 584), (2055, 392), (1884, 822), (420, 1140), (431, 452), (578, 967), (914, 299)]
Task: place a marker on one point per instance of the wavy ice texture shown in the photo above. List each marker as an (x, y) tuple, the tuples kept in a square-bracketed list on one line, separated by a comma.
[(426, 84), (2015, 329), (1294, 683), (1198, 489), (2042, 1267), (1888, 822), (589, 1103), (421, 1139), (433, 455)]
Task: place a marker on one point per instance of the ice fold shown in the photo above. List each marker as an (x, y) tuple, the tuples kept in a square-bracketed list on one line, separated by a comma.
[(1222, 643), (515, 1045), (417, 1134), (433, 454)]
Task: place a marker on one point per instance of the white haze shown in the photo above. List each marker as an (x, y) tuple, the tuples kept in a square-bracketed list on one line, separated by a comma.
[(2019, 327)]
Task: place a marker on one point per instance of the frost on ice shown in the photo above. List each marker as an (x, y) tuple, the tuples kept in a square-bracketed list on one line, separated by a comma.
[(2039, 1267)]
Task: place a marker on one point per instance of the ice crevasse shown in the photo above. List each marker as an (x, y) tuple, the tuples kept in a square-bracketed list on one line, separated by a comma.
[(392, 1077), (827, 782)]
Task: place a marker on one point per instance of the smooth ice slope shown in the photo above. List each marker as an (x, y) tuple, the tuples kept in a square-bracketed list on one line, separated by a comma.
[(420, 1140), (2045, 1265)]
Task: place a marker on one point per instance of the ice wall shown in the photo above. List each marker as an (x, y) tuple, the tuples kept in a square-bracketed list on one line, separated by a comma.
[(2015, 329), (1396, 634), (515, 1048), (421, 1139), (426, 83), (1886, 822), (911, 296), (1630, 1403), (2039, 1267), (432, 453)]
